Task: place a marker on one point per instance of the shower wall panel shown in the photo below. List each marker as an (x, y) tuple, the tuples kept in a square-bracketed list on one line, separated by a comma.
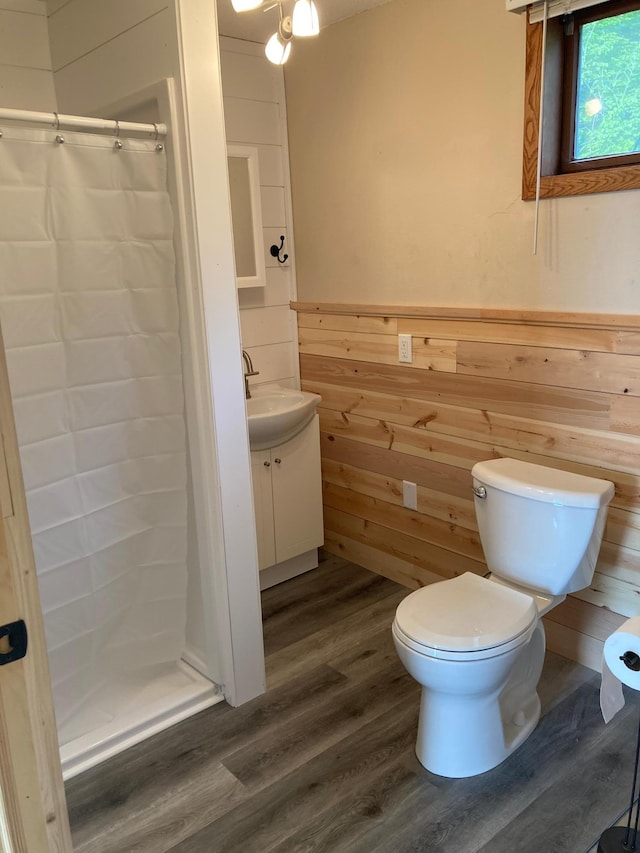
[(26, 77)]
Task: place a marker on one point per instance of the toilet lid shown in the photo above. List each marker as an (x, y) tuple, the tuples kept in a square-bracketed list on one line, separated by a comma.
[(466, 613)]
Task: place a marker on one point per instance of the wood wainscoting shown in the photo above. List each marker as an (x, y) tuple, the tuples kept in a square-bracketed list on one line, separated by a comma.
[(561, 390)]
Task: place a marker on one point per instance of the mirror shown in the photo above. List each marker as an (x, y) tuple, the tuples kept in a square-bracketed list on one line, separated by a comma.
[(244, 190)]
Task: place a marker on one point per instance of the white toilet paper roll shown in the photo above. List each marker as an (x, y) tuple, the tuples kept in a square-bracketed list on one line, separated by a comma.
[(620, 658)]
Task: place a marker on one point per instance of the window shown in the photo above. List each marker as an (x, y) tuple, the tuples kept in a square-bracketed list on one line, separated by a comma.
[(591, 139), (601, 98)]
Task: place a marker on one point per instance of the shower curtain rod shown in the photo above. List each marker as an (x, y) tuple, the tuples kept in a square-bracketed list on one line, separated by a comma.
[(58, 121)]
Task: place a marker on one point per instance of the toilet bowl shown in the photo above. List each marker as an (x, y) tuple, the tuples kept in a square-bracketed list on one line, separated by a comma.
[(476, 644)]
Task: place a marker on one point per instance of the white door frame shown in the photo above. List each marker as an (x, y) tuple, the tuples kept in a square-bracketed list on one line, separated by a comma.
[(209, 254)]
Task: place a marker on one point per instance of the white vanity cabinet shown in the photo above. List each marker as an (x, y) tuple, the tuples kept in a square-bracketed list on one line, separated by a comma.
[(287, 496)]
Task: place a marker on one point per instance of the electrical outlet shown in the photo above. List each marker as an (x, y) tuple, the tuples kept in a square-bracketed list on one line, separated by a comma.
[(409, 495), (404, 349)]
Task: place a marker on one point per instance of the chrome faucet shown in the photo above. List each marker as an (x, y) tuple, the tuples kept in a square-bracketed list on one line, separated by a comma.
[(248, 371)]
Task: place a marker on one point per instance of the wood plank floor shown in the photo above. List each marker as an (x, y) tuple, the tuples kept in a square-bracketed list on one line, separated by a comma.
[(324, 760)]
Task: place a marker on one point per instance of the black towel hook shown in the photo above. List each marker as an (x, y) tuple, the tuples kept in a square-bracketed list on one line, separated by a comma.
[(275, 251)]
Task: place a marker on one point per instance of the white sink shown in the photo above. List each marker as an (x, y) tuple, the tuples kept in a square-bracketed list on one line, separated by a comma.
[(277, 414)]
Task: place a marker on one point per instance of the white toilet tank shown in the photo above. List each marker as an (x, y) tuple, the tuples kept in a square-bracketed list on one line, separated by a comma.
[(540, 527)]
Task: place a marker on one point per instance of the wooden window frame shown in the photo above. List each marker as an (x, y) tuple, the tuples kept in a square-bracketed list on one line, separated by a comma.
[(558, 183)]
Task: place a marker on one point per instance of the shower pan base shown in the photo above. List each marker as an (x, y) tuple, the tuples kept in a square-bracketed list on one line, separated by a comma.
[(155, 705)]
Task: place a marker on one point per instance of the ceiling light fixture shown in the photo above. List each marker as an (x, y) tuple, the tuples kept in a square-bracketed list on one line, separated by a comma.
[(278, 48), (305, 19), (302, 24)]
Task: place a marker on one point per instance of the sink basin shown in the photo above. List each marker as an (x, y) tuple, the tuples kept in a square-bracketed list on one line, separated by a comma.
[(277, 414)]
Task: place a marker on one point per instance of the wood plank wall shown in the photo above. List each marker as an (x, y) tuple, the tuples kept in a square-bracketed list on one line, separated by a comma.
[(555, 389)]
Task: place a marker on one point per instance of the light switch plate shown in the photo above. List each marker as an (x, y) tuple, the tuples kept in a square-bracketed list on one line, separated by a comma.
[(409, 495)]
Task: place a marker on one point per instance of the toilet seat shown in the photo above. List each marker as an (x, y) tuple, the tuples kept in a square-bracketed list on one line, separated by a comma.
[(466, 617)]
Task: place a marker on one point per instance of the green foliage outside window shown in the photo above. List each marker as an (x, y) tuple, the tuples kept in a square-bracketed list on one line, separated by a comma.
[(608, 95)]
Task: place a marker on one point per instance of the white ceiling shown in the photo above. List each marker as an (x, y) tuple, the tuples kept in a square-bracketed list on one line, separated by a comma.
[(258, 25)]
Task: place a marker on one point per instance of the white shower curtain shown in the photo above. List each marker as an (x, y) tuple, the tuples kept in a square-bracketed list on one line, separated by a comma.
[(89, 315)]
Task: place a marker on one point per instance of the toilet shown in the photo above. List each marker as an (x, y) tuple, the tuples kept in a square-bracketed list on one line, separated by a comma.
[(476, 644)]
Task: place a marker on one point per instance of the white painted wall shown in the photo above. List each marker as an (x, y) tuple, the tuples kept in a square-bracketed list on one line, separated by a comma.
[(103, 53), (26, 80), (255, 115), (405, 133)]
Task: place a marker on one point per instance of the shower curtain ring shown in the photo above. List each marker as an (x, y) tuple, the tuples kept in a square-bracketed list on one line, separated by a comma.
[(159, 145), (59, 137), (118, 143)]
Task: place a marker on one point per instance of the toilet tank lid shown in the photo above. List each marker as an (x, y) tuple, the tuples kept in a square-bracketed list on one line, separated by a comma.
[(539, 483)]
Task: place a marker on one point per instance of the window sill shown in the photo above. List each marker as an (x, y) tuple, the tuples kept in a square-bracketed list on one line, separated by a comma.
[(583, 183)]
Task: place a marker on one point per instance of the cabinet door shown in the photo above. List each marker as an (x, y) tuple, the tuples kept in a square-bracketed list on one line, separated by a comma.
[(263, 507), (297, 493)]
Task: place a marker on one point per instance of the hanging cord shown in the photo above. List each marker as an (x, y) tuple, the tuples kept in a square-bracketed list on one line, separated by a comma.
[(545, 15)]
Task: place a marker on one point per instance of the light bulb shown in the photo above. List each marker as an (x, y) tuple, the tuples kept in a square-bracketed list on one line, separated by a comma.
[(245, 5), (277, 49), (305, 19)]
